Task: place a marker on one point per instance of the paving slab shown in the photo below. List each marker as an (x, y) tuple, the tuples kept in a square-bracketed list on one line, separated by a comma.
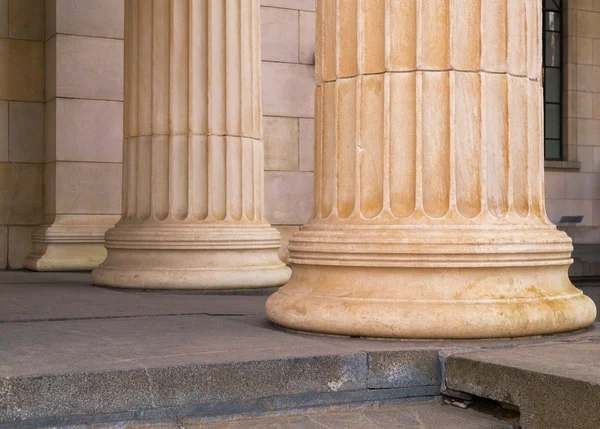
[(425, 415), (554, 386), (73, 300)]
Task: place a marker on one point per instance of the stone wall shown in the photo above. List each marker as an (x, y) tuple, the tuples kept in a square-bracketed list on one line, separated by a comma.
[(573, 186), (21, 127), (288, 82)]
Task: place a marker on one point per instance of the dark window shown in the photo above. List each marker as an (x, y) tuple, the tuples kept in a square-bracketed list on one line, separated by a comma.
[(552, 79)]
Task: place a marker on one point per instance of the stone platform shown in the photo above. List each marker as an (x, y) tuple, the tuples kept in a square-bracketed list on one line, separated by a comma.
[(73, 354)]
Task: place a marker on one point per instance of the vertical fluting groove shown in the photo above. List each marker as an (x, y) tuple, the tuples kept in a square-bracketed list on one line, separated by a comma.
[(372, 137), (329, 36), (256, 85), (493, 35), (198, 68), (452, 131), (403, 34), (160, 109), (483, 175), (467, 142), (347, 61), (517, 38), (518, 144), (179, 106), (126, 107), (330, 114), (144, 100), (134, 108), (247, 71), (319, 44), (218, 179), (435, 34), (318, 185), (465, 36), (234, 179), (403, 123), (419, 140), (386, 143), (536, 148), (373, 37), (436, 143), (132, 210), (496, 138), (346, 155), (216, 64), (232, 66), (247, 180)]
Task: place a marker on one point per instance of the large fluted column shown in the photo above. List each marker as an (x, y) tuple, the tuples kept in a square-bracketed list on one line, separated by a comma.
[(193, 155), (429, 217)]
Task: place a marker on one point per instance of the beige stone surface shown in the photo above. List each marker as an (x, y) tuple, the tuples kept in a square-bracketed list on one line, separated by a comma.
[(288, 196), (281, 138), (20, 244), (22, 77), (290, 4), (88, 67), (3, 247), (84, 130), (97, 18), (307, 144), (88, 188), (26, 135), (429, 217), (21, 194), (3, 131), (279, 34), (288, 90), (192, 208), (307, 37), (26, 19), (3, 18)]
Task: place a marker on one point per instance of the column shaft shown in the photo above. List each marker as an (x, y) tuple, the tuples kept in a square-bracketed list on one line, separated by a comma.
[(429, 217), (193, 155)]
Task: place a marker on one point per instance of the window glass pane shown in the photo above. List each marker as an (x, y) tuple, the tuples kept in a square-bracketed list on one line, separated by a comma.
[(552, 149), (552, 85), (552, 49), (552, 4), (552, 21), (552, 121)]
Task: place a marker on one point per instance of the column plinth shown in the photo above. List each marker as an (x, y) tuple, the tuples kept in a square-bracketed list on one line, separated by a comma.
[(193, 155), (429, 217)]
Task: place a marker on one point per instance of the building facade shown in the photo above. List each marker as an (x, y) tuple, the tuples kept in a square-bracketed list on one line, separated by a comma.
[(61, 111)]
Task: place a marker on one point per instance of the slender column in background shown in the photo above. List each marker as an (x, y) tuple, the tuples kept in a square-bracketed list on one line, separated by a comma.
[(429, 217), (193, 155)]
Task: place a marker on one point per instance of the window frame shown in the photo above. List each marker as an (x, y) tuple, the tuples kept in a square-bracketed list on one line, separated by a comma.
[(556, 9)]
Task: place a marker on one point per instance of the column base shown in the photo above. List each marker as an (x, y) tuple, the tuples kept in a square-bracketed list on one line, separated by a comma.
[(419, 283), (66, 246), (65, 257), (191, 257)]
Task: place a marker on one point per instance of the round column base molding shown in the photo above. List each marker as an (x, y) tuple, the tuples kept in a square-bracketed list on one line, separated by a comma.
[(431, 303), (192, 257)]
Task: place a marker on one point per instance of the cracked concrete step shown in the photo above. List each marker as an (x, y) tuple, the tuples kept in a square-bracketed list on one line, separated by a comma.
[(554, 386)]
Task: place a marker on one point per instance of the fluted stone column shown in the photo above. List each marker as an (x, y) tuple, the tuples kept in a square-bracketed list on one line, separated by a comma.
[(193, 155), (429, 217)]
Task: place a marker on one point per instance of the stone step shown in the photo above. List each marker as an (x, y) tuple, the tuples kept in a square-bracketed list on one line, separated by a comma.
[(553, 385), (72, 354), (423, 415)]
